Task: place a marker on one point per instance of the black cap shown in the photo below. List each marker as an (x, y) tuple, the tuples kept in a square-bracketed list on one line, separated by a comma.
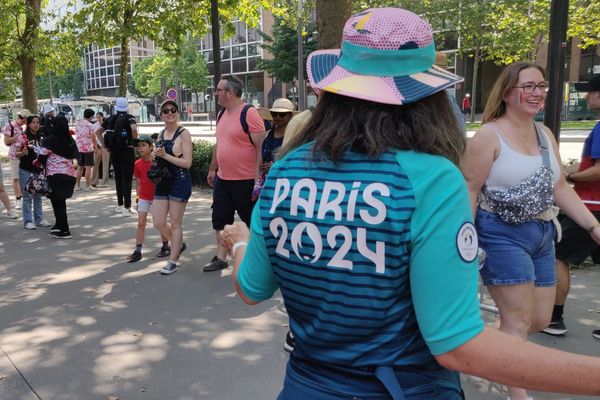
[(171, 102), (592, 86)]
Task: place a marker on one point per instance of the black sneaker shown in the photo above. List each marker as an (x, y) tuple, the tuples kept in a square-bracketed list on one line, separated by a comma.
[(135, 256), (183, 247), (596, 334), (215, 264), (169, 268), (164, 252), (54, 229), (556, 328), (61, 235), (290, 342)]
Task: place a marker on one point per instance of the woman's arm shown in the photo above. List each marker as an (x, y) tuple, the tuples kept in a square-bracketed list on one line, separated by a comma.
[(482, 150), (567, 199), (508, 360)]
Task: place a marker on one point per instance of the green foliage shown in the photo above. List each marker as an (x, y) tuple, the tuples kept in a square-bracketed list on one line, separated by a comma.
[(69, 83), (192, 69), (585, 21), (283, 46), (201, 157)]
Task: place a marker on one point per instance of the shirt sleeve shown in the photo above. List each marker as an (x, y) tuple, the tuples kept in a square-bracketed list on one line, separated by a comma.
[(255, 274), (20, 141), (255, 122), (136, 170), (595, 148), (443, 267), (7, 131)]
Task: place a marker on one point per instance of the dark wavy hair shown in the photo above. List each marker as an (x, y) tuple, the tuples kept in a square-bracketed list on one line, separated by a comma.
[(340, 123), (37, 137)]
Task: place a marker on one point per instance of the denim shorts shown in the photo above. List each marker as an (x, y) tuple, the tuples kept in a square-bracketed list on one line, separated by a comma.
[(179, 188), (516, 254)]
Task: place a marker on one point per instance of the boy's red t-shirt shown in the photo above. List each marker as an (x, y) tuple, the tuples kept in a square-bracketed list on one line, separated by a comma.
[(140, 171)]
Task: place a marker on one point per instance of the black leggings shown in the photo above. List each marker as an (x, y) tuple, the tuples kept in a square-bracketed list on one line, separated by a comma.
[(62, 189), (59, 206), (123, 167)]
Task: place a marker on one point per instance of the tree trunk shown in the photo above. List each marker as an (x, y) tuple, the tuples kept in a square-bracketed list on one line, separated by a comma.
[(123, 67), (127, 18), (331, 17), (27, 57), (216, 42), (476, 60)]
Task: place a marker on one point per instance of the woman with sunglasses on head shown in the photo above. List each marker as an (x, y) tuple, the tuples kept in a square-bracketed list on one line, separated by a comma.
[(174, 146), (27, 147), (513, 173), (280, 115)]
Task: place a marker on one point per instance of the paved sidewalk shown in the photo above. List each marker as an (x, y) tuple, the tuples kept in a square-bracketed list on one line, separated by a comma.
[(77, 322)]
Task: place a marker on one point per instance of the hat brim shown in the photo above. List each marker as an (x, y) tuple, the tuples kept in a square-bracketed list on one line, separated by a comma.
[(136, 142), (586, 87), (324, 74), (121, 109), (265, 113)]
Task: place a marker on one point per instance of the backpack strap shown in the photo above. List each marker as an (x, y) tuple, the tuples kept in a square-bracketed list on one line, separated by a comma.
[(243, 120)]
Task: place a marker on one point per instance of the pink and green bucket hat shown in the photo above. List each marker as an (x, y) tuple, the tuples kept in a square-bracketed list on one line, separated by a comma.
[(387, 56)]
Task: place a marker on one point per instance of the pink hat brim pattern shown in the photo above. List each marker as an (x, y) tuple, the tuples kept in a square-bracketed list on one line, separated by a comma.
[(324, 74)]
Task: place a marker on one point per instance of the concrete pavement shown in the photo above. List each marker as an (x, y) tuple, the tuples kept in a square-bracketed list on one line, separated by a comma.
[(77, 322)]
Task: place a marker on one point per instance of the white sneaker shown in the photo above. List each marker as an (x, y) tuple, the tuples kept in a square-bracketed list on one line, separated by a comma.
[(30, 226), (119, 209), (78, 188), (127, 212), (44, 223), (18, 204), (12, 214), (89, 189)]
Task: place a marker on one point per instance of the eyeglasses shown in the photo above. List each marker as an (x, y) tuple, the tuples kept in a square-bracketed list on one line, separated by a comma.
[(530, 87), (168, 111), (275, 114)]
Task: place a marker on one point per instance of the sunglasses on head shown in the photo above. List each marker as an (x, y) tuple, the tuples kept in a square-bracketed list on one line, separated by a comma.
[(278, 114), (169, 111)]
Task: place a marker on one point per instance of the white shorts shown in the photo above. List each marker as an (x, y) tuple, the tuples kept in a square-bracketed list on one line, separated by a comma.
[(14, 169), (144, 206)]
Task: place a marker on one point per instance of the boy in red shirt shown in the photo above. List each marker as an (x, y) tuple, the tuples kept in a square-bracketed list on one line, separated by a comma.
[(145, 194)]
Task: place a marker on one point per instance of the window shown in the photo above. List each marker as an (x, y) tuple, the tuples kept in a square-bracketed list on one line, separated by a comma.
[(239, 65), (252, 50), (239, 51)]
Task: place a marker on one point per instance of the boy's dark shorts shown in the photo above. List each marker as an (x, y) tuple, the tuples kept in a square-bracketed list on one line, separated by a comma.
[(229, 197), (576, 244), (86, 159)]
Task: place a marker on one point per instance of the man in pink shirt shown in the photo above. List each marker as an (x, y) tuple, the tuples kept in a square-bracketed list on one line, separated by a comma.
[(12, 131), (234, 165)]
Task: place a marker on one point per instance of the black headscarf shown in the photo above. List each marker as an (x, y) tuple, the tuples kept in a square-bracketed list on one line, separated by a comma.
[(59, 140)]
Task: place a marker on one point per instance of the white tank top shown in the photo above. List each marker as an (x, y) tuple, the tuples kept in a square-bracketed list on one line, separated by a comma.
[(512, 167)]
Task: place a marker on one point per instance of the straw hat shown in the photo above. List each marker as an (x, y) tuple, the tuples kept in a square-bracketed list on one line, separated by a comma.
[(387, 56), (280, 105)]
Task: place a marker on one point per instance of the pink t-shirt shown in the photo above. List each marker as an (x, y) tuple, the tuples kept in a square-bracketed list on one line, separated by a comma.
[(236, 155), (84, 136), (15, 131), (57, 164)]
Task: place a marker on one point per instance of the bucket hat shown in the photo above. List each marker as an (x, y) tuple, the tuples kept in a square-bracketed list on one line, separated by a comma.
[(280, 106), (142, 138), (24, 113), (387, 56), (122, 105), (47, 108)]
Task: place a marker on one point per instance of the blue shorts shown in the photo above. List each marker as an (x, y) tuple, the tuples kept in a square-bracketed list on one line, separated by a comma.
[(179, 188), (518, 253)]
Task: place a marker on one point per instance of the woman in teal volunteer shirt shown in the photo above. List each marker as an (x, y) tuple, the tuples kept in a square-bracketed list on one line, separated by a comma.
[(365, 227)]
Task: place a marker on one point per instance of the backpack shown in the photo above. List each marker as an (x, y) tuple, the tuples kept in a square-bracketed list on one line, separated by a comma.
[(243, 121), (119, 137)]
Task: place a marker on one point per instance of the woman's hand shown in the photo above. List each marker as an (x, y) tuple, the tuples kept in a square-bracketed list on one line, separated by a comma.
[(159, 152), (231, 234)]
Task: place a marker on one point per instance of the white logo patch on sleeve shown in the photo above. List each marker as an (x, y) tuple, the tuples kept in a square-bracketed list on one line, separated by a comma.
[(466, 242)]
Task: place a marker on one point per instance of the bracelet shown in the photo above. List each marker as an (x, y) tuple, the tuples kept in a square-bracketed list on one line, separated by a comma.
[(236, 246), (590, 230)]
